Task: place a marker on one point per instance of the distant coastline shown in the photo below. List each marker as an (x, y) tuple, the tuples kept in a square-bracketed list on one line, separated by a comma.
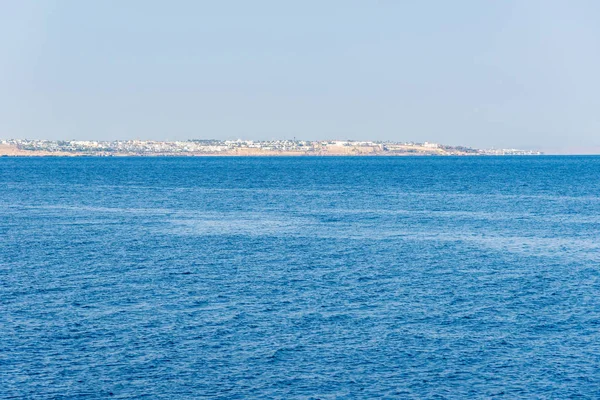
[(196, 148)]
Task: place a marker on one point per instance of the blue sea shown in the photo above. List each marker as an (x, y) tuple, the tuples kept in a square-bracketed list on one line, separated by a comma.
[(308, 277)]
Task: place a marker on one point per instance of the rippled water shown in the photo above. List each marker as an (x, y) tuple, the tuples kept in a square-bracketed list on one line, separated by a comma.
[(300, 277)]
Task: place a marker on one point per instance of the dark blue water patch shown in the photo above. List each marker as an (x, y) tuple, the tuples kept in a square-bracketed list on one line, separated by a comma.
[(300, 277)]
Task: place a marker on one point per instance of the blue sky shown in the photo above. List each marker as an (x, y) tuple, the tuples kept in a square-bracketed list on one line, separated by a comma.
[(480, 73)]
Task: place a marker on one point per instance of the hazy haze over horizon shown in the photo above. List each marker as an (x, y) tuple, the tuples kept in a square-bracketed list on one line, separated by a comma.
[(482, 74)]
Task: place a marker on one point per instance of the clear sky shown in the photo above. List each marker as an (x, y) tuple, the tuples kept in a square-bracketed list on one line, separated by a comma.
[(480, 73)]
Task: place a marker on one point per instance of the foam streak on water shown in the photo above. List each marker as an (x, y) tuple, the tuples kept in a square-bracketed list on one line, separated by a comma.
[(300, 277)]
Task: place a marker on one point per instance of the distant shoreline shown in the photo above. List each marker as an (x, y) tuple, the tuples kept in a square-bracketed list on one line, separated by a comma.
[(239, 149), (34, 154)]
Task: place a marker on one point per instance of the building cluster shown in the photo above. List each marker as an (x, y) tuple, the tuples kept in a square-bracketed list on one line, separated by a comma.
[(510, 152), (247, 147)]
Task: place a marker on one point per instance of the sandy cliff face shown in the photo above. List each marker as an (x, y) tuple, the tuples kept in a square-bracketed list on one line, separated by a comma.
[(11, 150)]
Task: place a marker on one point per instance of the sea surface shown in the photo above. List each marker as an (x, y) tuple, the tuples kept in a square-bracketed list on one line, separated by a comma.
[(309, 277)]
